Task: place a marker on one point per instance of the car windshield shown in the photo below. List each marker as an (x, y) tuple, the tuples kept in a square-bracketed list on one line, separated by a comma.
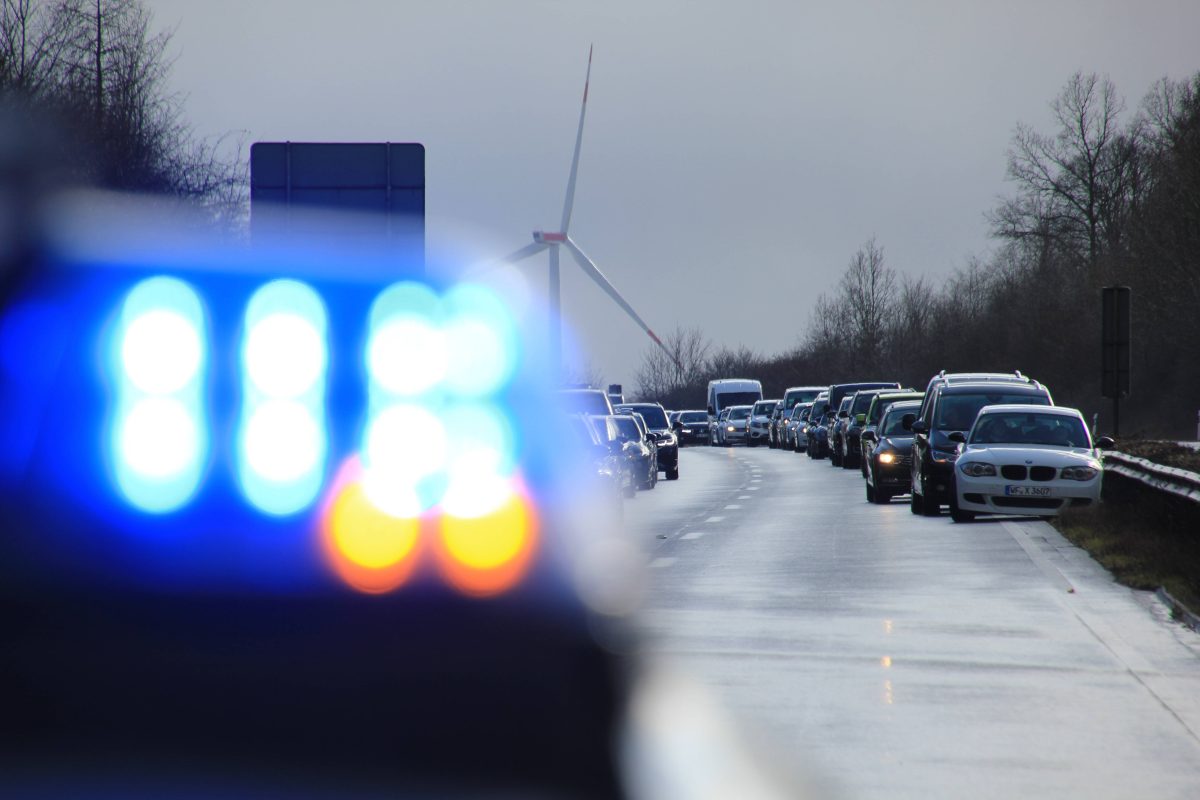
[(765, 407), (739, 413), (1030, 428), (653, 415), (892, 423), (862, 401), (801, 396), (738, 398), (875, 412), (819, 407), (956, 412), (691, 417)]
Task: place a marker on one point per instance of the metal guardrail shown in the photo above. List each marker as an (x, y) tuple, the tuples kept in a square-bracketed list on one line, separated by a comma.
[(1179, 482)]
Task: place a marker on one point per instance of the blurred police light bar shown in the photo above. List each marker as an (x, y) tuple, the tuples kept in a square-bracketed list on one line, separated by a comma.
[(277, 410)]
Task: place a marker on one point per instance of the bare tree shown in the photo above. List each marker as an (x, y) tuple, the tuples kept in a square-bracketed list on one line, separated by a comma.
[(98, 65), (663, 374), (34, 40), (868, 292), (1075, 185)]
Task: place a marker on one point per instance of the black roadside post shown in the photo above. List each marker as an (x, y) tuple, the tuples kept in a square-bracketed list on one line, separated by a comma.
[(1114, 381)]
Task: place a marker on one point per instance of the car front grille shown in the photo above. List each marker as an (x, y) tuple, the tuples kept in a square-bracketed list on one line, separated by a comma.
[(1042, 473), (1013, 472)]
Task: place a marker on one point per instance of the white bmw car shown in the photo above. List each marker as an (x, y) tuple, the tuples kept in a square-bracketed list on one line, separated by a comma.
[(1026, 460)]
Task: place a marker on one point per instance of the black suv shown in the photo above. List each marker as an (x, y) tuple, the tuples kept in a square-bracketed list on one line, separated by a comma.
[(951, 406), (660, 428)]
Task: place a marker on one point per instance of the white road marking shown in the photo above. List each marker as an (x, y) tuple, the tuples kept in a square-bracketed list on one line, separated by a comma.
[(714, 519), (660, 563), (752, 488), (1052, 572), (743, 497), (733, 505), (692, 535)]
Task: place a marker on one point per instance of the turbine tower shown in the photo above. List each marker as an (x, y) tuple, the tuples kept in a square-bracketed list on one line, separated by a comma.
[(552, 241)]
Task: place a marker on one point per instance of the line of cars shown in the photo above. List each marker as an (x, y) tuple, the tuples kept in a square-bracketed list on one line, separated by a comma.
[(626, 446), (978, 443)]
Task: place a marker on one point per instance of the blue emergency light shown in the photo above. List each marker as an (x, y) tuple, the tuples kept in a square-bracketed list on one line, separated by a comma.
[(206, 412)]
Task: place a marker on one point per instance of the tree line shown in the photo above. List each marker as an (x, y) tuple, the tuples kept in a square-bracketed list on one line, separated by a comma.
[(1109, 197), (92, 75)]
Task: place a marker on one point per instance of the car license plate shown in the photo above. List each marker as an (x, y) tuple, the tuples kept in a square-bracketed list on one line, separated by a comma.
[(1027, 491)]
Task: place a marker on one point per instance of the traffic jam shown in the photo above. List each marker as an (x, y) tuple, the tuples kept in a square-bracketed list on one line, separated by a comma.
[(976, 443)]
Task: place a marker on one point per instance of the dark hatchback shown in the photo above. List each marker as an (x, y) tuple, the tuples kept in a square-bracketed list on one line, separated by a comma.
[(947, 408), (691, 427), (888, 452), (664, 437)]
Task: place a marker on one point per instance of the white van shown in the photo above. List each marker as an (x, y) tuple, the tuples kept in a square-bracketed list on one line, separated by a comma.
[(732, 392)]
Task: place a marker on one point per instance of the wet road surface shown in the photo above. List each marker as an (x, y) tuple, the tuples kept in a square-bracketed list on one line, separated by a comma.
[(897, 656)]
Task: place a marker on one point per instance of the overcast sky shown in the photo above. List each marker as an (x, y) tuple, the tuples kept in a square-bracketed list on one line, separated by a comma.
[(736, 154)]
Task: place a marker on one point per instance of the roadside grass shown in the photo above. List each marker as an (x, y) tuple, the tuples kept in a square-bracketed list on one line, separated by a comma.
[(1145, 538)]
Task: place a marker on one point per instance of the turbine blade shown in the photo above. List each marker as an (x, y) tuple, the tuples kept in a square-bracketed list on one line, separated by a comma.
[(570, 200), (593, 272), (525, 252)]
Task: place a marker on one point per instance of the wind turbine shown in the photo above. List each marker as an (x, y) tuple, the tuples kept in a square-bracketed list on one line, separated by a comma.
[(552, 241)]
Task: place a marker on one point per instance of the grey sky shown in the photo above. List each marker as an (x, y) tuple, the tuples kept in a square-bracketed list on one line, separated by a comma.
[(735, 153)]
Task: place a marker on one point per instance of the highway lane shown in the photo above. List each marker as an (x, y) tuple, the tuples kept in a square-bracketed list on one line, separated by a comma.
[(901, 656)]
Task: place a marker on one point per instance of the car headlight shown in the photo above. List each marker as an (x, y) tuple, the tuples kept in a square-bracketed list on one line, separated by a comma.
[(730, 428), (887, 458), (1079, 473), (687, 430), (946, 457), (977, 469)]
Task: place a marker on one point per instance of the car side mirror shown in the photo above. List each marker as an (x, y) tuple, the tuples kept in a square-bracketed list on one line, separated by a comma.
[(843, 414), (957, 436), (868, 436), (918, 426), (1105, 443), (711, 412)]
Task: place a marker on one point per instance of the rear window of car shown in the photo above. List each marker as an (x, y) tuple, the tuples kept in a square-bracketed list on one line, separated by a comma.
[(628, 429), (957, 412)]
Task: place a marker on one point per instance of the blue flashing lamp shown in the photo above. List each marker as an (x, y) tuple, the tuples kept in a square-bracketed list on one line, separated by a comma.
[(159, 436), (282, 439)]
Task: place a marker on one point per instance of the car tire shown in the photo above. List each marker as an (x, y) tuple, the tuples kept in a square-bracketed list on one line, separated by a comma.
[(915, 505), (673, 474), (630, 490), (930, 509), (848, 463), (883, 498), (870, 493)]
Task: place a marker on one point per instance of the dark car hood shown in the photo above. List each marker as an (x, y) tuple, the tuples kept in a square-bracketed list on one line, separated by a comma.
[(898, 442)]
